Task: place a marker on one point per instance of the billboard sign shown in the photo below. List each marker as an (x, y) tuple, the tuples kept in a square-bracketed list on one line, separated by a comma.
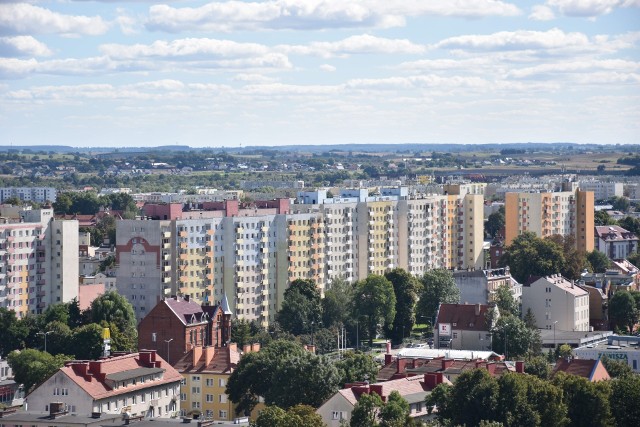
[(444, 329)]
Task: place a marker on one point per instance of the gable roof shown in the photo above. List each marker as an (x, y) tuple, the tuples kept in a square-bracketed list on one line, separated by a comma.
[(593, 370), (224, 361), (188, 312), (117, 368), (466, 317), (610, 233)]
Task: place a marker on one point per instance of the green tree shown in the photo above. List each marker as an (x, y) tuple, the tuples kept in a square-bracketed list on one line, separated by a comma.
[(538, 366), (621, 204), (616, 368), (301, 311), (505, 301), (56, 312), (395, 412), (519, 338), (285, 375), (495, 223), (356, 366), (30, 367), (58, 338), (623, 311), (86, 342), (337, 304), (603, 218), (438, 287), (625, 395), (575, 261), (599, 261), (631, 224), (634, 259), (13, 333), (474, 397), (528, 255), (587, 402), (405, 288), (297, 416), (366, 410), (113, 308), (374, 301)]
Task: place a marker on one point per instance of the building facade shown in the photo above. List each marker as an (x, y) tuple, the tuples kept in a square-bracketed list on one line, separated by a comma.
[(615, 242), (29, 194), (464, 327), (567, 213), (138, 384), (251, 253), (557, 303), (480, 286), (602, 190), (38, 262)]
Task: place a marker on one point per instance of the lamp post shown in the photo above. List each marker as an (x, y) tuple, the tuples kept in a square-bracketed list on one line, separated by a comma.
[(168, 341), (45, 338)]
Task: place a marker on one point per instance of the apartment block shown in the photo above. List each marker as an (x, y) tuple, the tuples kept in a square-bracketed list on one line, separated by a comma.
[(480, 286), (602, 190), (615, 242), (250, 253), (554, 300), (29, 194), (567, 213), (38, 262)]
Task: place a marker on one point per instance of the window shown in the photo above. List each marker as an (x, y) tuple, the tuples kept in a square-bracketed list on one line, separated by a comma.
[(222, 398), (222, 382), (209, 382), (222, 415), (195, 405), (195, 390), (338, 415), (209, 398), (195, 378)]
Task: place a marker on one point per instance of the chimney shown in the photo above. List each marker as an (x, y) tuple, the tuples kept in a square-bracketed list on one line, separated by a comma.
[(432, 379), (491, 367), (388, 347), (520, 366), (95, 368), (446, 363), (81, 369), (233, 347), (255, 347), (402, 365), (196, 352), (246, 348), (388, 358), (209, 352), (377, 389), (477, 309)]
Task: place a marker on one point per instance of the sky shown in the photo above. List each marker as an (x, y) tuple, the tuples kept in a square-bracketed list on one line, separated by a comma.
[(292, 72)]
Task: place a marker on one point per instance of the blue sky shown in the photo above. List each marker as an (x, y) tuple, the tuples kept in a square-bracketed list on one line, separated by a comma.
[(230, 73)]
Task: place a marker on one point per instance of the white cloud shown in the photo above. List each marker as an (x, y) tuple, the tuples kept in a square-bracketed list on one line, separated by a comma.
[(590, 8), (22, 46), (554, 70), (314, 14), (185, 49), (517, 40), (360, 44), (23, 18), (541, 13), (328, 68)]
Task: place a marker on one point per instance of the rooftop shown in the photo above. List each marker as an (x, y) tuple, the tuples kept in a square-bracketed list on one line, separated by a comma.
[(467, 317)]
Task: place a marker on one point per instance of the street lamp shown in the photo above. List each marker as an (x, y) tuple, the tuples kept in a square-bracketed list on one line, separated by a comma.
[(168, 341), (45, 338)]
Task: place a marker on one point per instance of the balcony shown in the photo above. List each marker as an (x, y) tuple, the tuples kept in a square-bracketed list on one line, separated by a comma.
[(40, 270), (166, 279), (40, 282), (183, 234)]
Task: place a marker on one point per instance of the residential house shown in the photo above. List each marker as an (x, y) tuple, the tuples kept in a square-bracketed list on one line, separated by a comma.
[(557, 303), (592, 370), (479, 286), (336, 411), (139, 384), (464, 326), (615, 242)]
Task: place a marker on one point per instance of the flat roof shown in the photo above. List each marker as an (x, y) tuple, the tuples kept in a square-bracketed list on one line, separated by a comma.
[(576, 337), (22, 417)]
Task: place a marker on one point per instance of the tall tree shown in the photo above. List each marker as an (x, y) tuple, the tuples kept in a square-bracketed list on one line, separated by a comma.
[(519, 338), (113, 308), (603, 218), (625, 395), (337, 304), (366, 410), (301, 311), (13, 333), (587, 402), (374, 301), (623, 311), (505, 301), (30, 367), (395, 412), (495, 223), (356, 366), (405, 288), (599, 261), (284, 374), (528, 255), (438, 287), (616, 368)]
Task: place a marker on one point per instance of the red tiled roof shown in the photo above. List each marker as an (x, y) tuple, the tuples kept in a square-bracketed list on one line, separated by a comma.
[(584, 368), (97, 388), (404, 386), (224, 361), (464, 317)]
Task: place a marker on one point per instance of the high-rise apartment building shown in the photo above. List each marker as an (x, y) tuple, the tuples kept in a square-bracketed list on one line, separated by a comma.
[(38, 262), (29, 194), (252, 254), (567, 213)]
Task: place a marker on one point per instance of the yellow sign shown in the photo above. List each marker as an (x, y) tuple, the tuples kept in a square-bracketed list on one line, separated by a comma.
[(106, 334)]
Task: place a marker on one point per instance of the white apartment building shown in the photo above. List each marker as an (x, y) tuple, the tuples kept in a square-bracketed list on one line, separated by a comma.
[(29, 194), (602, 190), (615, 241), (38, 262), (479, 286), (554, 300)]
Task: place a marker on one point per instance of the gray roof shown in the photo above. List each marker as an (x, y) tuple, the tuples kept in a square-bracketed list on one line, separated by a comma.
[(41, 418), (416, 397), (133, 373), (224, 305)]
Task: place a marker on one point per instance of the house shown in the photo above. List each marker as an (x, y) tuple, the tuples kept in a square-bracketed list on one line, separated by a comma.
[(337, 410), (464, 327), (615, 242), (479, 286), (592, 370), (176, 325), (598, 303), (557, 303), (139, 384)]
